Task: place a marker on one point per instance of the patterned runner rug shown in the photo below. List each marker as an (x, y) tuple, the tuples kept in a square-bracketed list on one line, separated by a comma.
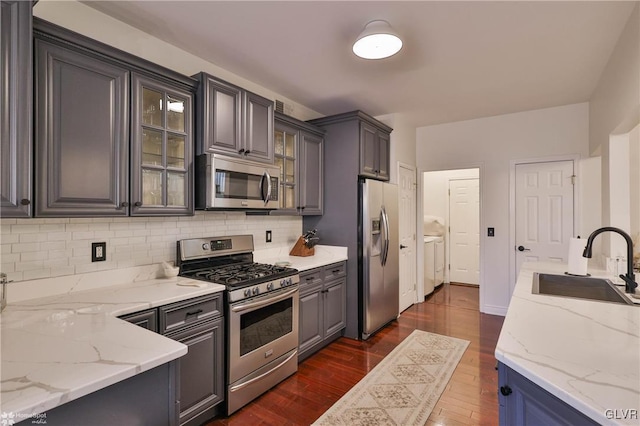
[(404, 387)]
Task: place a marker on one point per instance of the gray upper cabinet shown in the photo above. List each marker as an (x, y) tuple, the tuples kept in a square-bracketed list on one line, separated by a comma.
[(299, 153), (113, 132), (365, 143), (16, 110), (374, 152), (161, 148), (82, 133), (233, 121)]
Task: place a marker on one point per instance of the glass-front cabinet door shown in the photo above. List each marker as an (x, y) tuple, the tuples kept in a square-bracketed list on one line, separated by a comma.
[(286, 158), (162, 153)]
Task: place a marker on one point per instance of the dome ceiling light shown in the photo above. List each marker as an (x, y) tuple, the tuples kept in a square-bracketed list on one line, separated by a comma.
[(377, 41)]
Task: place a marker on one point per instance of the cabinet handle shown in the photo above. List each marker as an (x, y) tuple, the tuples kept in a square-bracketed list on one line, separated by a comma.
[(335, 271), (310, 278), (196, 312), (137, 203), (122, 205), (240, 151), (25, 202), (505, 390)]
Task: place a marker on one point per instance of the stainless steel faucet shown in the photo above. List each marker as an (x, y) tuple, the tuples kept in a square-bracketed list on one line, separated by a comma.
[(629, 279)]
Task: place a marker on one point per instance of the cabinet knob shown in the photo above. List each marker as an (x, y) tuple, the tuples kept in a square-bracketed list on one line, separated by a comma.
[(137, 203), (505, 390), (240, 151), (122, 205), (247, 152), (25, 202)]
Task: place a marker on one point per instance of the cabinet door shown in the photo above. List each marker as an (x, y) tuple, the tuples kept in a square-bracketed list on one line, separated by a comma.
[(220, 116), (16, 107), (334, 307), (310, 328), (311, 173), (161, 149), (384, 152), (258, 128), (368, 150), (286, 141), (82, 134), (201, 370)]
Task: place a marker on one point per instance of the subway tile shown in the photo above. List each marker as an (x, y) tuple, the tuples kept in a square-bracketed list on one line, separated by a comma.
[(55, 263), (60, 254), (33, 238), (28, 266), (88, 235), (99, 226), (58, 236), (24, 229), (7, 267), (36, 274), (52, 227), (66, 270), (103, 235), (24, 247), (74, 244), (4, 222), (35, 255), (77, 227), (10, 258), (79, 260), (80, 220)]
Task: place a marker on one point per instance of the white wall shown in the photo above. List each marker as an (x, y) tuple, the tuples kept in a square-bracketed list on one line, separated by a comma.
[(491, 144), (403, 142), (436, 199), (614, 106)]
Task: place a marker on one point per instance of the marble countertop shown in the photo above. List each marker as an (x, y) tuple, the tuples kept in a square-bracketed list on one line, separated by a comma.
[(324, 255), (587, 353), (59, 348)]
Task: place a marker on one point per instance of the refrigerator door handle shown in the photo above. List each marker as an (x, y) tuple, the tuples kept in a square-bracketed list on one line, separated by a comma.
[(385, 226)]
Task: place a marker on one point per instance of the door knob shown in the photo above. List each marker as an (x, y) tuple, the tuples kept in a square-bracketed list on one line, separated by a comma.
[(403, 247), (521, 248)]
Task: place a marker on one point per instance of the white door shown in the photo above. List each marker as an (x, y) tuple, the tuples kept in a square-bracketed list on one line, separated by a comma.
[(544, 211), (407, 218), (464, 231)]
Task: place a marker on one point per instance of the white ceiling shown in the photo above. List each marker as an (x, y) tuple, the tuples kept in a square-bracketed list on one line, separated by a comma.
[(460, 60)]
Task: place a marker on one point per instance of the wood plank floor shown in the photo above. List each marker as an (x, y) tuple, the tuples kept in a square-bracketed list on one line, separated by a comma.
[(470, 398)]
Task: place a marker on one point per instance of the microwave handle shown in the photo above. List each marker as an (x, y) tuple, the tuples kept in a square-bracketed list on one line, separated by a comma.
[(266, 196)]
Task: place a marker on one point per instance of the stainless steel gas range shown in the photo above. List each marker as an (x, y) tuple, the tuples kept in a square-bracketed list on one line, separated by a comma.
[(262, 309)]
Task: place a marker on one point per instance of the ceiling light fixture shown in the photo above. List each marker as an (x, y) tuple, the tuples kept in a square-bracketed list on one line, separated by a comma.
[(377, 41)]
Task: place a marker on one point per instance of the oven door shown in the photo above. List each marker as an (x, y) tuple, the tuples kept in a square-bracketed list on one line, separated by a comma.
[(236, 183), (262, 329)]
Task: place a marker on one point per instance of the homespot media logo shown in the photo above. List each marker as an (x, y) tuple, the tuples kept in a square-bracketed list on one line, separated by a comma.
[(9, 419), (621, 413)]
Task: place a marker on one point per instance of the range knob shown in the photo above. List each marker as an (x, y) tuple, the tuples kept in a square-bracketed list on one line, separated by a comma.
[(289, 281), (270, 286), (247, 292), (205, 246), (255, 291), (283, 283)]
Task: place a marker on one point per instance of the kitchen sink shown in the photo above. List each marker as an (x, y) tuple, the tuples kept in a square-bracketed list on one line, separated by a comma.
[(578, 287)]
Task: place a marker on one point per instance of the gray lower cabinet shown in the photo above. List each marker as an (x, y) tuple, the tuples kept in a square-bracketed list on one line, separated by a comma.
[(299, 153), (322, 307), (522, 402), (199, 324), (113, 133), (233, 121), (16, 109), (146, 399)]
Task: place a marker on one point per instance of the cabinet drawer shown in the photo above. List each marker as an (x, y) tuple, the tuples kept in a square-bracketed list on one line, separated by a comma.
[(334, 271), (145, 319), (189, 312), (311, 277)]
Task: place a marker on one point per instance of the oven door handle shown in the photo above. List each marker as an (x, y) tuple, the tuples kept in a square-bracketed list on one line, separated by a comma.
[(255, 379), (266, 195), (261, 303)]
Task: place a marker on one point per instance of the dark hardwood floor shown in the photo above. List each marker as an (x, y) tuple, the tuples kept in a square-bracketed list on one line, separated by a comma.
[(470, 398)]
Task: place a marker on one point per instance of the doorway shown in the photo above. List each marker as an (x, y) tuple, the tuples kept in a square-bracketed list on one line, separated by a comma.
[(459, 215)]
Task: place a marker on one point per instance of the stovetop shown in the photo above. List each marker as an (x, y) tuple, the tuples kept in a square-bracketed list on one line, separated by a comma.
[(238, 275)]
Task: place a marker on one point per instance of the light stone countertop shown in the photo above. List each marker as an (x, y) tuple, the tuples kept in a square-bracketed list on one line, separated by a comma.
[(587, 353), (59, 348), (324, 255)]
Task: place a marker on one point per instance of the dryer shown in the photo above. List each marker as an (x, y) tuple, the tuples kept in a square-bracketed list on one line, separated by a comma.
[(433, 263)]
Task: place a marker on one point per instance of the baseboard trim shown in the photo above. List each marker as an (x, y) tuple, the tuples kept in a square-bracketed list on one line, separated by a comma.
[(494, 310)]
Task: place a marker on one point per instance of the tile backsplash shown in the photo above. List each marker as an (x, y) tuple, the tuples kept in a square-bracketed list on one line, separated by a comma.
[(45, 248)]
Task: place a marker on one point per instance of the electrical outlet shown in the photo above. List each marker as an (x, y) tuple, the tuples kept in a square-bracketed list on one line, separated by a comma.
[(268, 236), (98, 252)]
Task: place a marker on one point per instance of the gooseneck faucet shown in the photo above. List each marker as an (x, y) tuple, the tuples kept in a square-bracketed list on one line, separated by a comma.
[(629, 279)]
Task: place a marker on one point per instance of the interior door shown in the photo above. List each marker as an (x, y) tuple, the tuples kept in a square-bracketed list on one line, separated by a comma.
[(464, 233), (407, 224), (544, 211)]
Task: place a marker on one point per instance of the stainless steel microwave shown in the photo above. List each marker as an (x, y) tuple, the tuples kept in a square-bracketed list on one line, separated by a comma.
[(232, 183)]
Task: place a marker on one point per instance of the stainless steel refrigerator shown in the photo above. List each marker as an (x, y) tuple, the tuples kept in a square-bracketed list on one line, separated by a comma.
[(378, 246)]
